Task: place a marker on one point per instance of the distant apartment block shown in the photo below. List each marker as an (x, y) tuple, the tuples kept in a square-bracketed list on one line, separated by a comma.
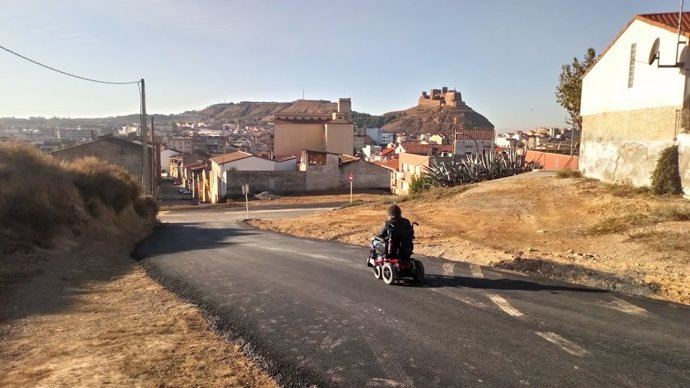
[(325, 132), (379, 137), (78, 134)]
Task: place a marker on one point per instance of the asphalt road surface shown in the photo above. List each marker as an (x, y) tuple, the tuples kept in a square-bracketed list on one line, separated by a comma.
[(314, 314)]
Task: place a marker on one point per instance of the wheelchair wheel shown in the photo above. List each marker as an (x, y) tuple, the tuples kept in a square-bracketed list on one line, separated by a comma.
[(377, 271), (389, 273), (419, 271)]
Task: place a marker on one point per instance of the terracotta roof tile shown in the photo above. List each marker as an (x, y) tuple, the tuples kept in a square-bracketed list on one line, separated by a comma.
[(668, 20), (475, 134), (231, 157), (387, 151), (393, 164), (426, 149)]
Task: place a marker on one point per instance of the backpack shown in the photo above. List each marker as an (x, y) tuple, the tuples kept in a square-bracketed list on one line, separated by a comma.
[(400, 238)]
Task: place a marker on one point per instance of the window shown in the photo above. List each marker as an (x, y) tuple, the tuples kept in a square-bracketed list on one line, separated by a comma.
[(631, 67)]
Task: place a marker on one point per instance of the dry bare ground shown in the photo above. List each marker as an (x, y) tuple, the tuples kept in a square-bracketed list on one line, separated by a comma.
[(577, 230), (83, 314)]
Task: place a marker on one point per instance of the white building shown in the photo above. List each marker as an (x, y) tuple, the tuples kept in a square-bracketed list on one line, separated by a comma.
[(242, 161), (474, 141), (630, 110)]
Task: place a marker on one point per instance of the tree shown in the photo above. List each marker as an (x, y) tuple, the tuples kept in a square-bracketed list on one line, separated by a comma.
[(569, 89)]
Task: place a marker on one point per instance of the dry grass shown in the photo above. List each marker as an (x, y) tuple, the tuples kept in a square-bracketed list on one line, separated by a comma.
[(40, 198), (627, 190), (568, 173), (637, 218)]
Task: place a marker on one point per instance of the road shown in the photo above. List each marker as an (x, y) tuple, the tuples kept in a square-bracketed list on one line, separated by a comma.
[(315, 315)]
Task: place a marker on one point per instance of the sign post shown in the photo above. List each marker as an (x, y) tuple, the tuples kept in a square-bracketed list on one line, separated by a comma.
[(351, 178), (245, 191)]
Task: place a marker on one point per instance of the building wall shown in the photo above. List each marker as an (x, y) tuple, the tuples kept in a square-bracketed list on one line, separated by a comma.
[(625, 128), (291, 139), (551, 161), (254, 164), (127, 156), (339, 138), (411, 165), (464, 147), (605, 86), (684, 161), (279, 182)]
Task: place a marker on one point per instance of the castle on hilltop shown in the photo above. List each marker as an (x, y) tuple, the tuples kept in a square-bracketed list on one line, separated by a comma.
[(441, 97)]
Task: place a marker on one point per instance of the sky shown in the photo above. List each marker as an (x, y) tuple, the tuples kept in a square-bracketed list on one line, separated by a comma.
[(503, 56)]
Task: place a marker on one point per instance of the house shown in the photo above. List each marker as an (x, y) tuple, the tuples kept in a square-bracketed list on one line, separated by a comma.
[(114, 150), (328, 171), (412, 166), (424, 149), (631, 110), (333, 131), (240, 161), (474, 141)]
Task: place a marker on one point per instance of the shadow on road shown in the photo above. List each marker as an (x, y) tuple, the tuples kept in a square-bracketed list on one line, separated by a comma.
[(181, 237), (438, 281)]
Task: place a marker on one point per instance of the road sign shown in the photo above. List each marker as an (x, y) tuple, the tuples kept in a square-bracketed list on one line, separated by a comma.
[(350, 177), (245, 189)]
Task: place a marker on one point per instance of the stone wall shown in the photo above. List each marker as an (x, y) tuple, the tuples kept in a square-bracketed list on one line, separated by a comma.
[(120, 152), (623, 147), (279, 182)]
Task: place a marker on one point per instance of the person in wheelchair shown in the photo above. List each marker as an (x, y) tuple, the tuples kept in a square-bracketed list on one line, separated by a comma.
[(395, 238)]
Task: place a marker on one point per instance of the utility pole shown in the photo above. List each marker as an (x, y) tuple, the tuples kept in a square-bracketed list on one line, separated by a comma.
[(144, 142), (154, 161)]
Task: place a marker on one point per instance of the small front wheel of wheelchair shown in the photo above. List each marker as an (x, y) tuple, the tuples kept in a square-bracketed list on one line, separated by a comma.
[(377, 271)]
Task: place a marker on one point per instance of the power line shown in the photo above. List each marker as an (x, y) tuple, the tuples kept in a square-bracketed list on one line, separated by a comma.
[(66, 73)]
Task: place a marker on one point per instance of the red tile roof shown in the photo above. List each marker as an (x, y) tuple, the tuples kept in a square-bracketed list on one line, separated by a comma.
[(345, 159), (475, 134), (393, 164), (387, 151), (426, 149), (231, 157), (668, 20)]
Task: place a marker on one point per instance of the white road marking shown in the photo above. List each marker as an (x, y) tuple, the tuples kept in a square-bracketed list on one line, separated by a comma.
[(461, 298), (626, 307), (254, 211), (448, 269), (504, 305), (476, 271), (568, 346)]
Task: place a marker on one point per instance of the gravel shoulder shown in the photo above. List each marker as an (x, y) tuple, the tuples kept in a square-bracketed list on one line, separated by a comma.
[(86, 315)]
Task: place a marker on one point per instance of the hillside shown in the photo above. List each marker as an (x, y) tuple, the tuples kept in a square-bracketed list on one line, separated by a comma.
[(428, 119), (576, 230)]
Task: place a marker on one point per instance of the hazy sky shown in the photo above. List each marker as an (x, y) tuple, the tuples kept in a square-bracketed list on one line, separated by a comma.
[(503, 56)]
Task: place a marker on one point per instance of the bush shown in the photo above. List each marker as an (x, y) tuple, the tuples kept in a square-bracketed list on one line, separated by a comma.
[(112, 185), (568, 173), (146, 207), (666, 176), (419, 184)]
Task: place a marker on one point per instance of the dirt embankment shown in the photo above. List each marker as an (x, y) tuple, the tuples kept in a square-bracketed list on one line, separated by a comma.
[(577, 230), (74, 308), (83, 314)]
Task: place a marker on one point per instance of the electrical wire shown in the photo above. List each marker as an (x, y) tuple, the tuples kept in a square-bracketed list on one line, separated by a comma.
[(66, 73)]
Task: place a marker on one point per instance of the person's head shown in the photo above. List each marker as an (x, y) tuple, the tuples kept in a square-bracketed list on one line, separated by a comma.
[(393, 211)]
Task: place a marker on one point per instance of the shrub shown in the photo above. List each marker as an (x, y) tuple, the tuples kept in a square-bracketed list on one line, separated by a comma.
[(568, 173), (666, 175), (112, 185), (419, 184), (146, 207)]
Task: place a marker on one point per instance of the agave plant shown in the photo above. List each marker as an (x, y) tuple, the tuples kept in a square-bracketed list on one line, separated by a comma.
[(477, 168)]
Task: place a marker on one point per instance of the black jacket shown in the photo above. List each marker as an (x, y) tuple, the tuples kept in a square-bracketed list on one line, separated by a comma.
[(399, 234)]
